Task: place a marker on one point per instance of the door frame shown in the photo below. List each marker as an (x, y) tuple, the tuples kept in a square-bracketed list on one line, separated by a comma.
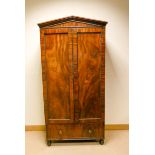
[(43, 33)]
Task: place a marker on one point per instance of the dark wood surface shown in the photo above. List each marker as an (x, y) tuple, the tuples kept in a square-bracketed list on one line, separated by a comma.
[(72, 18), (73, 73)]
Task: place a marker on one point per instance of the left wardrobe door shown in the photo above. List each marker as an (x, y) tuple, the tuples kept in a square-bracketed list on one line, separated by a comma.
[(56, 45)]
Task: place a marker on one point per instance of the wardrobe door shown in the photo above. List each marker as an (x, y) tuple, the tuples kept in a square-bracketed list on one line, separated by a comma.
[(89, 74), (59, 84)]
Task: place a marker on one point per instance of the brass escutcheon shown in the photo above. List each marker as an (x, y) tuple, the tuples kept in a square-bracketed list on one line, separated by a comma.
[(60, 132)]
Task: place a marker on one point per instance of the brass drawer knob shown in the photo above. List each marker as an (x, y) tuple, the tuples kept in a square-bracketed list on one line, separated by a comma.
[(90, 131), (60, 132)]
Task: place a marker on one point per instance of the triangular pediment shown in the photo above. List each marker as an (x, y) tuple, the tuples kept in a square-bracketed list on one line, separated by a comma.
[(72, 20)]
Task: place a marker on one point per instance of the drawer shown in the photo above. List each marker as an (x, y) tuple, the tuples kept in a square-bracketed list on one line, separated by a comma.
[(64, 131), (73, 131)]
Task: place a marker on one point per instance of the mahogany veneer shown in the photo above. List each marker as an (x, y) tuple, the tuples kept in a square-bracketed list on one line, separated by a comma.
[(73, 75)]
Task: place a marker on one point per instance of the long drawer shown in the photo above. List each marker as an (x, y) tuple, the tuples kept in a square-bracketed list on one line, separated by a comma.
[(74, 131)]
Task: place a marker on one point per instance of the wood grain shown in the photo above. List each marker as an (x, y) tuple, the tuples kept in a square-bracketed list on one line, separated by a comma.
[(89, 74), (57, 63)]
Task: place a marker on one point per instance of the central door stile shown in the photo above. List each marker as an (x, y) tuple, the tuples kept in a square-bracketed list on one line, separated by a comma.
[(75, 81), (70, 48)]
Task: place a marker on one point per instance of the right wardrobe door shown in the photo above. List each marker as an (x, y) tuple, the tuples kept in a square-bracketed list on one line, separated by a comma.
[(90, 50)]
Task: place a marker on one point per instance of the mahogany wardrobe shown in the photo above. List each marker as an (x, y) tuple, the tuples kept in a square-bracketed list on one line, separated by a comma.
[(73, 77)]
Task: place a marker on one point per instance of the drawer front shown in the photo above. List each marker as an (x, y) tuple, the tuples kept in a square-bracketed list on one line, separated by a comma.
[(64, 131), (79, 131)]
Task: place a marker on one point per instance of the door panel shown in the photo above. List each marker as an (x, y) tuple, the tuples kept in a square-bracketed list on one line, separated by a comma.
[(58, 65), (89, 75)]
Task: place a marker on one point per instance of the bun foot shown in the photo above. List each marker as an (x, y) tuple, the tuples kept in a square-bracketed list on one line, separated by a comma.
[(101, 141), (49, 142)]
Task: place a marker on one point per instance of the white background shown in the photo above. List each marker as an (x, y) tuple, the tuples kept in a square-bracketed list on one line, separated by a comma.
[(142, 84), (115, 12)]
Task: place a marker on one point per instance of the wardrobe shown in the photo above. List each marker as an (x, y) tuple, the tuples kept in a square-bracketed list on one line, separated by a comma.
[(73, 77)]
